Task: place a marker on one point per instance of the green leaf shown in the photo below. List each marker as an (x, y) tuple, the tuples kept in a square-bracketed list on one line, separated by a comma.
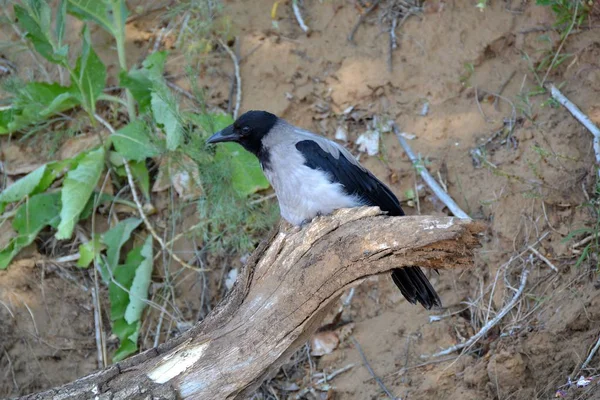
[(6, 116), (118, 289), (90, 74), (32, 216), (35, 182), (138, 292), (165, 111), (141, 82), (133, 142), (93, 10), (246, 174), (34, 97), (61, 14), (88, 251), (154, 65), (119, 294), (36, 18), (22, 187), (114, 239), (211, 123), (127, 347), (140, 87), (57, 103), (77, 189), (141, 176)]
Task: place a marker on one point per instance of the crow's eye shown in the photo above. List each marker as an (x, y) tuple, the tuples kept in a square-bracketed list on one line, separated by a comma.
[(245, 130)]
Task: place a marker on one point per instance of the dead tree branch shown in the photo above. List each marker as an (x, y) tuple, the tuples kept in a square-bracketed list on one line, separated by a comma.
[(279, 300)]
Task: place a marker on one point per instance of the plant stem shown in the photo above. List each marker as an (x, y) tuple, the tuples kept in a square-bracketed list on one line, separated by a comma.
[(120, 39)]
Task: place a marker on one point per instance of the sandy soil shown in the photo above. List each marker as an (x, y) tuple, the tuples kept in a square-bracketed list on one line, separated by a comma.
[(533, 183)]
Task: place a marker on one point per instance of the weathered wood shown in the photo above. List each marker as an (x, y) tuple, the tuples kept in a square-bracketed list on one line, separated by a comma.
[(280, 299)]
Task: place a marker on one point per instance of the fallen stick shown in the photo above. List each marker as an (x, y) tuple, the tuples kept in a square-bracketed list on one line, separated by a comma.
[(373, 374), (289, 284), (238, 78), (544, 259), (299, 16), (591, 355), (325, 379), (361, 20), (484, 330), (431, 182), (581, 117)]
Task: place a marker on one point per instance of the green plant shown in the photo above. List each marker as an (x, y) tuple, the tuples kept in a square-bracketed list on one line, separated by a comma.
[(568, 11), (59, 194), (590, 234)]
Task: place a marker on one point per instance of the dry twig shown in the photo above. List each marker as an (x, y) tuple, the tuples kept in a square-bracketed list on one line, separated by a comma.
[(544, 259), (298, 15), (431, 182), (484, 330), (591, 355), (327, 378), (323, 259), (149, 226), (361, 19), (238, 78), (368, 366), (581, 117)]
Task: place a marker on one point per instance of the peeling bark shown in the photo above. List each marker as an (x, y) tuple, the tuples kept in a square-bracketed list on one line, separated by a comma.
[(279, 300)]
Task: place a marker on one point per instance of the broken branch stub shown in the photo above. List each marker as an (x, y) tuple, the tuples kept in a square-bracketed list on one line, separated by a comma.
[(279, 300)]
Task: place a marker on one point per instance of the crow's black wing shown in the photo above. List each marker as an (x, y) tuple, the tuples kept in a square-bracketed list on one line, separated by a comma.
[(355, 179), (411, 281)]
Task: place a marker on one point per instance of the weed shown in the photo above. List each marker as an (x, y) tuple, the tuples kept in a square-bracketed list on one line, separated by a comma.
[(567, 12), (59, 194), (590, 234)]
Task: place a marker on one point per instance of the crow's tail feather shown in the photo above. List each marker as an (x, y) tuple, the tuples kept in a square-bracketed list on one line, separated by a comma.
[(415, 286)]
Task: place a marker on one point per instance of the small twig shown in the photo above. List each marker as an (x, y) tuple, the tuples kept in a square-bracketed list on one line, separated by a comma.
[(67, 259), (149, 225), (98, 329), (591, 355), (544, 259), (105, 123), (361, 19), (484, 330), (502, 87), (431, 182), (12, 369), (263, 198), (368, 366), (393, 44), (181, 91), (584, 241), (158, 40), (327, 378), (245, 56), (238, 78), (299, 16), (581, 117)]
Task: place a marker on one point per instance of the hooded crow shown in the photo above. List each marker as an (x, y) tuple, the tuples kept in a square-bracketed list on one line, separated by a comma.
[(314, 176)]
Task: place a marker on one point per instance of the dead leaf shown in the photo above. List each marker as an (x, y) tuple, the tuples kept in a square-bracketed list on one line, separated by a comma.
[(182, 175), (77, 144), (324, 342), (19, 160)]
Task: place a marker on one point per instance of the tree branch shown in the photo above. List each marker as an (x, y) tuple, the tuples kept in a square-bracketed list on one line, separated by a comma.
[(279, 300)]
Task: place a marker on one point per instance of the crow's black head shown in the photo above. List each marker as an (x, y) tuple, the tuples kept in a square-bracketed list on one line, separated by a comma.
[(248, 130)]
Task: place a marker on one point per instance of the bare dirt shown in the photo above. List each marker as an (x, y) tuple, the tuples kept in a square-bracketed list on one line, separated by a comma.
[(528, 185)]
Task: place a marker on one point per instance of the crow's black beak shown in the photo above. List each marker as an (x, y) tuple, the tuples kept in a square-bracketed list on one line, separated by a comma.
[(224, 135)]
